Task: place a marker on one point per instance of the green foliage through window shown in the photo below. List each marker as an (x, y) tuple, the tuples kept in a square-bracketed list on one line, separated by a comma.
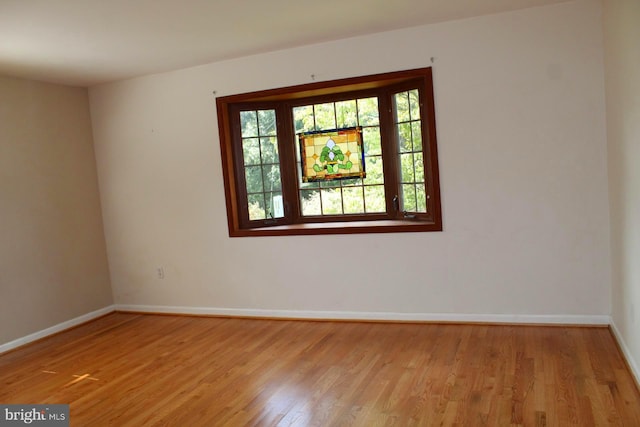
[(342, 197), (261, 164)]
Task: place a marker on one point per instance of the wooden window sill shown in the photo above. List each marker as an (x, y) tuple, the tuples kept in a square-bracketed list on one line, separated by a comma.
[(350, 227)]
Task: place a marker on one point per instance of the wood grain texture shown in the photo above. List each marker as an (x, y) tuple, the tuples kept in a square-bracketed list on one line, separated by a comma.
[(149, 370)]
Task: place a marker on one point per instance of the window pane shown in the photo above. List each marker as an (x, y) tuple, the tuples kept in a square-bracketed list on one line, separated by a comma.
[(368, 112), (353, 200), (373, 168), (256, 207), (421, 198), (409, 131), (416, 134), (267, 122), (249, 123), (332, 183), (414, 104), (419, 167), (331, 201), (371, 140), (374, 199), (308, 185), (262, 164), (325, 116), (351, 182), (271, 176), (402, 107), (337, 197), (407, 168), (404, 138), (408, 198), (269, 150), (253, 177), (274, 205), (303, 119), (251, 151), (346, 114), (310, 202)]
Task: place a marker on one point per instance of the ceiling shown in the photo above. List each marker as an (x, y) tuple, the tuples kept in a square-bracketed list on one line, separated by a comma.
[(86, 42)]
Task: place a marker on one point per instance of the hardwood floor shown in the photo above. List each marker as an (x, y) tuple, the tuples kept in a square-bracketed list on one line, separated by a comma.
[(144, 370)]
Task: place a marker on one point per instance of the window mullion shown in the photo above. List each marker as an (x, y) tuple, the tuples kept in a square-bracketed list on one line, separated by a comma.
[(429, 150), (241, 200), (286, 144), (389, 153)]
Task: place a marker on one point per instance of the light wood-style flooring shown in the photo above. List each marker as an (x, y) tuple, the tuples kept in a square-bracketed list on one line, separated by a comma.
[(128, 369)]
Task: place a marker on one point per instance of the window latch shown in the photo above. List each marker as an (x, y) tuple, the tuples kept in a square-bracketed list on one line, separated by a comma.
[(396, 203)]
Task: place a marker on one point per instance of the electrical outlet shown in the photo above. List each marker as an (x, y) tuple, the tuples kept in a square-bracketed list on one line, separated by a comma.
[(160, 272)]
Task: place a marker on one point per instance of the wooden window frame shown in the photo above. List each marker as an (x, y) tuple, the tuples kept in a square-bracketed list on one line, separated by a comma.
[(283, 100)]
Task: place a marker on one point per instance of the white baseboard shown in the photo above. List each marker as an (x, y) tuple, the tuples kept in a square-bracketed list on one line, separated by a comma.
[(626, 352), (56, 328), (373, 316), (334, 315)]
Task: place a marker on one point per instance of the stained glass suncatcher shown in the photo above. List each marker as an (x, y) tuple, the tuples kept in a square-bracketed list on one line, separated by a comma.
[(333, 154)]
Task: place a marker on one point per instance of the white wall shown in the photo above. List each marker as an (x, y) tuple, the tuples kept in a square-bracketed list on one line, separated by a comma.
[(622, 47), (521, 134), (53, 264)]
